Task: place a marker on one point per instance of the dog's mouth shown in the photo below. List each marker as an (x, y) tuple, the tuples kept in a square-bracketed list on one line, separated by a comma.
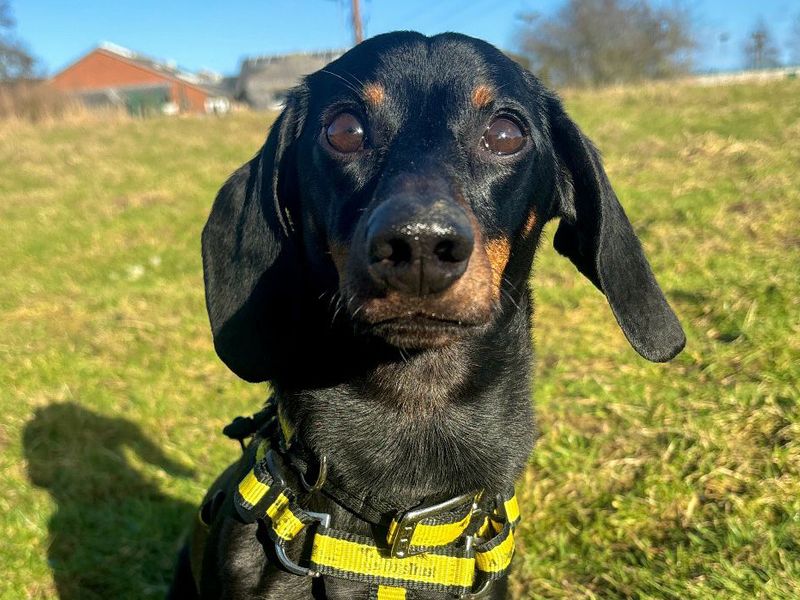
[(420, 331), (423, 322)]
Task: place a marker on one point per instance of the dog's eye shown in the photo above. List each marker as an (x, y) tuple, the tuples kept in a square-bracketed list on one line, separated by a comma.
[(503, 136), (345, 133)]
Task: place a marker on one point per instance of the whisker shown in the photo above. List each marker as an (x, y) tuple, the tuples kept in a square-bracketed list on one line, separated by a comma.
[(403, 354), (506, 293), (349, 84), (510, 283), (335, 297), (510, 299), (339, 306), (361, 83)]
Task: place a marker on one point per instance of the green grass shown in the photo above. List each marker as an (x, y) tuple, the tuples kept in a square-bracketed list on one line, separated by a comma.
[(649, 481)]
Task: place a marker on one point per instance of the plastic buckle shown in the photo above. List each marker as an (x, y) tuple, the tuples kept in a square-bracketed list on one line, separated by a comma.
[(278, 480), (407, 524)]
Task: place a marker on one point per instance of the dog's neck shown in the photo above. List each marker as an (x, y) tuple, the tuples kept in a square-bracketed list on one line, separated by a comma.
[(429, 425)]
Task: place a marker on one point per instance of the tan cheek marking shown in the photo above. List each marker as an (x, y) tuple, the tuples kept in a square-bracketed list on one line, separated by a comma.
[(498, 251), (482, 96), (374, 94), (529, 224)]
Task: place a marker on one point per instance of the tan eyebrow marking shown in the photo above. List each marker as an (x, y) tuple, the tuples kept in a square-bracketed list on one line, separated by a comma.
[(482, 95), (374, 93)]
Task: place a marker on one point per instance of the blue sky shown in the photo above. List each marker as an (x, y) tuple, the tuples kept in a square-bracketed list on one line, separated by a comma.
[(216, 35)]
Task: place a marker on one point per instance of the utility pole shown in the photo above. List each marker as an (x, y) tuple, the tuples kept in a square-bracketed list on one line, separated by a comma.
[(358, 30)]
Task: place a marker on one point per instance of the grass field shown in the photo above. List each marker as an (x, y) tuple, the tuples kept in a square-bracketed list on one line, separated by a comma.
[(649, 481)]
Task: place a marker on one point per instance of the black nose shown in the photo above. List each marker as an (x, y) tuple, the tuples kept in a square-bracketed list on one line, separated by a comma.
[(418, 247)]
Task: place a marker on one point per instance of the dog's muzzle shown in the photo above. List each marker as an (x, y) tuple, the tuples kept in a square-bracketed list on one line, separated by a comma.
[(417, 245)]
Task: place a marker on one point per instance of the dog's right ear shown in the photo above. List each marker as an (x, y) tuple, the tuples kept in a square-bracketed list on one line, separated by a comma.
[(596, 235), (250, 254)]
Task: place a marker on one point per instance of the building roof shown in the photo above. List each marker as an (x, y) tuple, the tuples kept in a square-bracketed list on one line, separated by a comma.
[(263, 79), (167, 67), (206, 81)]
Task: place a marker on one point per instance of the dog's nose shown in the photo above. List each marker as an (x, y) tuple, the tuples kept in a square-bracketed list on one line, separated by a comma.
[(417, 247)]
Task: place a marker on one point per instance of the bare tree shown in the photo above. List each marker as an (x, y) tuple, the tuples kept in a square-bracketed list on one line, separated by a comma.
[(15, 60), (760, 51), (595, 42)]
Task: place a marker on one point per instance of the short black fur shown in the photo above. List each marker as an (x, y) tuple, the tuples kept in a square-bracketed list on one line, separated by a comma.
[(400, 425)]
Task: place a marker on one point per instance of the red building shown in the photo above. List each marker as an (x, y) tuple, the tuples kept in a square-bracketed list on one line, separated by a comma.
[(113, 75)]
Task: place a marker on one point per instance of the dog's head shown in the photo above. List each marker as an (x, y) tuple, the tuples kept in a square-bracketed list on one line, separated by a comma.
[(410, 179)]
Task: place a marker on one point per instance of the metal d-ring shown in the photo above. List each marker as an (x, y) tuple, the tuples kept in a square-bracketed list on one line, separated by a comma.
[(324, 520), (322, 474), (484, 590), (478, 594)]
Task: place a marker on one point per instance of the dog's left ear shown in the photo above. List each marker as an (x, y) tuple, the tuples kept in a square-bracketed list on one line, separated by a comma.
[(250, 258), (595, 234)]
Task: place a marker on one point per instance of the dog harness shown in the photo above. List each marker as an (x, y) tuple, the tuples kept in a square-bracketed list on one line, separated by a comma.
[(459, 546)]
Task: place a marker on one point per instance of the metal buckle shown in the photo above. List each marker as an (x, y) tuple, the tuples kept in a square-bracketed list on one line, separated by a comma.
[(324, 519), (407, 524)]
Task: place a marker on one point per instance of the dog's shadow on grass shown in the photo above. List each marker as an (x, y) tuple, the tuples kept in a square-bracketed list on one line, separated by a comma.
[(114, 533)]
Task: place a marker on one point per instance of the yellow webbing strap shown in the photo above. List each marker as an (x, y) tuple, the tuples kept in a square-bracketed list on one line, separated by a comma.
[(286, 519), (511, 507), (251, 489), (493, 558), (435, 532), (389, 592), (486, 529), (356, 558), (443, 567)]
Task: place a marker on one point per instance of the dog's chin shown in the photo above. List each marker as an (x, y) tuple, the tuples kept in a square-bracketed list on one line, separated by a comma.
[(423, 332)]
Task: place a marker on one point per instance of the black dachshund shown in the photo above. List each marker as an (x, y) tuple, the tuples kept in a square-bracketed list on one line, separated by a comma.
[(372, 263)]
